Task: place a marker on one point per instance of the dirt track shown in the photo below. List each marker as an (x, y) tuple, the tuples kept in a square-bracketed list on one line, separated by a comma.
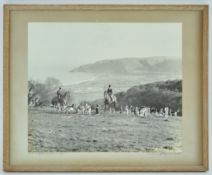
[(54, 132)]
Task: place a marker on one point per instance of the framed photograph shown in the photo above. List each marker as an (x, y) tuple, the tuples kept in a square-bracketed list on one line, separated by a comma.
[(105, 88)]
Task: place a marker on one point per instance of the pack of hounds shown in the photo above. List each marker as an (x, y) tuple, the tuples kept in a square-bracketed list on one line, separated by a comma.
[(127, 110)]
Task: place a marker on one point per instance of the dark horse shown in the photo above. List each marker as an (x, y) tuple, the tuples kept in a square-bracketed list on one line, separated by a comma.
[(62, 101)]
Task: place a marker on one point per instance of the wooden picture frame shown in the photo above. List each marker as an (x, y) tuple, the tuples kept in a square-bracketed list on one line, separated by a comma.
[(203, 11)]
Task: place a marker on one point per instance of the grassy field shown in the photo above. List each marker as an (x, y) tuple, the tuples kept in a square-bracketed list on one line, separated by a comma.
[(51, 131)]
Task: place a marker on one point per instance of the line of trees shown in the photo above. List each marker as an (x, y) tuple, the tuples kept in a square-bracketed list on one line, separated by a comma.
[(158, 95)]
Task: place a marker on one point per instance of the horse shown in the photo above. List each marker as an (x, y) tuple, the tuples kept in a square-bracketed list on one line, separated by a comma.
[(110, 102), (62, 101)]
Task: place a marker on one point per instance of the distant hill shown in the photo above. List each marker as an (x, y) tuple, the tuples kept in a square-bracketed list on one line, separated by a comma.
[(122, 74), (133, 66), (157, 94)]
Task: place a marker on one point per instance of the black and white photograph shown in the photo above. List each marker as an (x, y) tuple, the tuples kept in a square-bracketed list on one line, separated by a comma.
[(105, 87)]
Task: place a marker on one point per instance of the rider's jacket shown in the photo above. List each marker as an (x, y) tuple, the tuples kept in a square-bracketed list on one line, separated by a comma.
[(58, 93), (109, 91)]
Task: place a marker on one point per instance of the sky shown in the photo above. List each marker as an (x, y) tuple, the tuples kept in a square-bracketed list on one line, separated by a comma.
[(55, 47)]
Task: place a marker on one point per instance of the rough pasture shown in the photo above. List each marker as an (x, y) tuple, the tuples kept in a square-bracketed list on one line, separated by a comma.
[(55, 132)]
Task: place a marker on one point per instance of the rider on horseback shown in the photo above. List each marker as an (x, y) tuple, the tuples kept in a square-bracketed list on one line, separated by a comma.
[(109, 99), (59, 93), (110, 91)]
